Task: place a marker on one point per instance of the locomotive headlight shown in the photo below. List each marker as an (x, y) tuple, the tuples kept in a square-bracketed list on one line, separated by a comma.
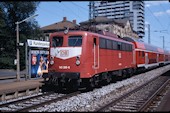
[(52, 60), (78, 60), (65, 31)]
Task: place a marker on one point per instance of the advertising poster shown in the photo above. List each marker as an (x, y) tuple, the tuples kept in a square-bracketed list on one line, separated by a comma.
[(39, 63)]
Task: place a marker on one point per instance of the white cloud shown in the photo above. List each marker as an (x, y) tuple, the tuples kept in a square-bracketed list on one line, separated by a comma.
[(147, 5), (159, 13), (168, 11), (153, 3), (146, 22)]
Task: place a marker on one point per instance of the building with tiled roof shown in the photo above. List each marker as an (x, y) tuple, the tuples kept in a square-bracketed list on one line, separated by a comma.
[(120, 27), (59, 26)]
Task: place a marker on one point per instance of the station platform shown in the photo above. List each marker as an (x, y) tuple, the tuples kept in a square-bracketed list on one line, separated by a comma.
[(9, 90)]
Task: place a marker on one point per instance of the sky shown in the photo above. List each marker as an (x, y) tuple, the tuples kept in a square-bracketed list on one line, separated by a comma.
[(157, 15)]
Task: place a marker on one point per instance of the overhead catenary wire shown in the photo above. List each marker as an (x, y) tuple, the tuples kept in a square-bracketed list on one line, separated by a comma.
[(64, 5), (167, 16), (155, 17), (51, 12), (84, 9)]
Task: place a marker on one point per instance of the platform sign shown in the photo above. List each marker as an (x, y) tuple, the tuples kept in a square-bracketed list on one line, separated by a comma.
[(37, 58), (38, 43)]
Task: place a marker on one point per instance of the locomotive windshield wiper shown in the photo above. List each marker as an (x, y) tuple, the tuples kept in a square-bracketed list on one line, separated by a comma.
[(75, 42)]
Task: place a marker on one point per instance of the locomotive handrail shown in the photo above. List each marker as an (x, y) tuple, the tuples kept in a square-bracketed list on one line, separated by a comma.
[(94, 56), (98, 59)]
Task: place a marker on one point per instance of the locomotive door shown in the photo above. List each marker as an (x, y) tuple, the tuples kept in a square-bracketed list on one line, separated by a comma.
[(96, 53)]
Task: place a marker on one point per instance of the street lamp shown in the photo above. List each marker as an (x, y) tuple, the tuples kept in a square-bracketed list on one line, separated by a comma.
[(148, 26), (149, 39), (17, 43), (162, 31), (163, 42)]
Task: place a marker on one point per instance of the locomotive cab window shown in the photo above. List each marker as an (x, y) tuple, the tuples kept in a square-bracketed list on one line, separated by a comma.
[(75, 40), (57, 41)]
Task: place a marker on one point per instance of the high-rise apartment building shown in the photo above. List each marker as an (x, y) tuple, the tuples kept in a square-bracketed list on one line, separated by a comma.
[(133, 10)]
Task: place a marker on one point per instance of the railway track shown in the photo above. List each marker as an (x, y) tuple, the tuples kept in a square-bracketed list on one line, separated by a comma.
[(139, 99), (27, 104), (154, 101)]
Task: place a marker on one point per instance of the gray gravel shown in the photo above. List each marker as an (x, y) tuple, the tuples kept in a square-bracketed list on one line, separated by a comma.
[(98, 97)]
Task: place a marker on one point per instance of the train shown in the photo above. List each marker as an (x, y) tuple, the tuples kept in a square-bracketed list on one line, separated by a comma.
[(80, 59)]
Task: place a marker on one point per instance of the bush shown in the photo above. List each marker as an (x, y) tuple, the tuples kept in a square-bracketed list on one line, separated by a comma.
[(6, 63)]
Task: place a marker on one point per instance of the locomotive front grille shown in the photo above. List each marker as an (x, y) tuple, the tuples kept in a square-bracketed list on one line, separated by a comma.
[(63, 75)]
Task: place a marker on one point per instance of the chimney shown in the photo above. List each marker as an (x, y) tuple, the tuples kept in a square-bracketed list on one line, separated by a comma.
[(64, 19), (74, 21)]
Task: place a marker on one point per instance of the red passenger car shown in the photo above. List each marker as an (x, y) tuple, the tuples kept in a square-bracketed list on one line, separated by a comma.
[(148, 56)]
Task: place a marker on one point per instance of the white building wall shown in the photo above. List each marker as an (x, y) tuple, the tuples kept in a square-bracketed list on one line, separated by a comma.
[(135, 20)]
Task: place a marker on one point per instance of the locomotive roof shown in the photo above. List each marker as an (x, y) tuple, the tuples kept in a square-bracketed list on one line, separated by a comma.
[(139, 44), (109, 36), (100, 34)]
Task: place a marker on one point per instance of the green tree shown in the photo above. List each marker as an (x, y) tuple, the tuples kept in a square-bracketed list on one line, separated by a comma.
[(11, 13), (2, 22)]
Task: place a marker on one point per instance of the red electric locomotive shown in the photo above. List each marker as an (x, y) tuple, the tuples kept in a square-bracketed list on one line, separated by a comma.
[(83, 59)]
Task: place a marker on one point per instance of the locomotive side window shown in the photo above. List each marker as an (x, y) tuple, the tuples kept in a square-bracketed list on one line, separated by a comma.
[(75, 40), (109, 44), (57, 41), (102, 43), (130, 48), (114, 45), (123, 46), (119, 46), (127, 47)]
